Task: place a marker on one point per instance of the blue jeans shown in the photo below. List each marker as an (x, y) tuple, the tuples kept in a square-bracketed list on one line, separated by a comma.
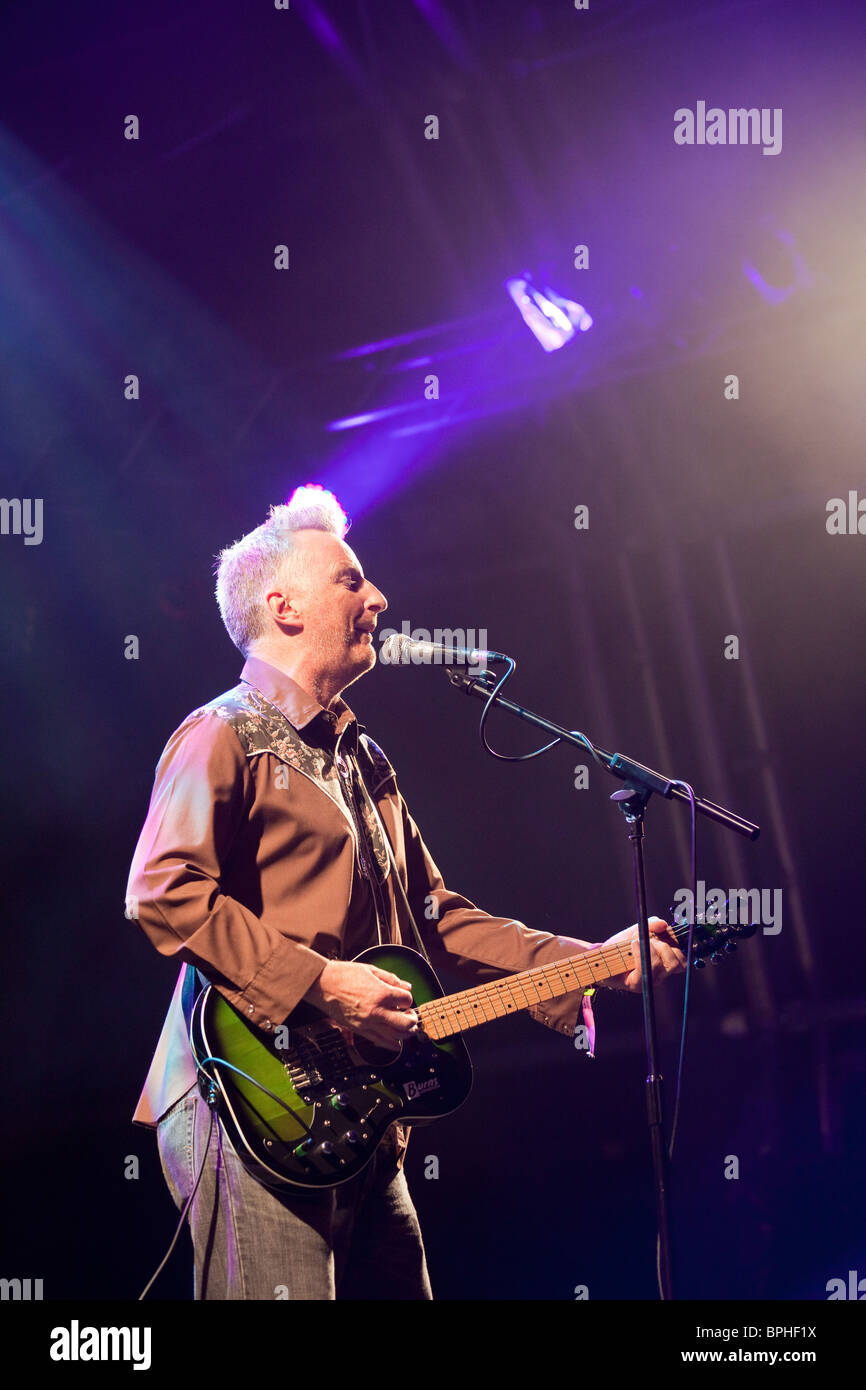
[(360, 1240)]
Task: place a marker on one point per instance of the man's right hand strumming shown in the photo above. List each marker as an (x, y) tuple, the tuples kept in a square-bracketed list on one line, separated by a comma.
[(371, 1002)]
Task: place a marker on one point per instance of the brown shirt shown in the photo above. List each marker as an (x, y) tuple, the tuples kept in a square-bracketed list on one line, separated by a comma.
[(249, 868)]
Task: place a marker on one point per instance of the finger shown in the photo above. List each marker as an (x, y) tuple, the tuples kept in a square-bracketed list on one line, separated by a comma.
[(401, 1023), (380, 1035), (671, 948), (396, 998), (671, 955), (387, 1027), (659, 927), (390, 979)]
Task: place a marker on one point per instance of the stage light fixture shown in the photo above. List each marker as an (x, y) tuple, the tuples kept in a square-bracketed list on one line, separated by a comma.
[(550, 317)]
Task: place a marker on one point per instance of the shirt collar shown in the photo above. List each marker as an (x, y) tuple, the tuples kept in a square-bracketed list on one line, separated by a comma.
[(299, 707)]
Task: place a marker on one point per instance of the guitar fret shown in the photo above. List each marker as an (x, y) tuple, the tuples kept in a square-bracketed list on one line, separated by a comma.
[(455, 1013), (565, 980)]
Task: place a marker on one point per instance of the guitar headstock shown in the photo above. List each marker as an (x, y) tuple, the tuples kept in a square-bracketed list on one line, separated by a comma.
[(714, 937)]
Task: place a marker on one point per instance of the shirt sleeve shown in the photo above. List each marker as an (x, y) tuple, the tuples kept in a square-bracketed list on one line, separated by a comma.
[(478, 944), (201, 793)]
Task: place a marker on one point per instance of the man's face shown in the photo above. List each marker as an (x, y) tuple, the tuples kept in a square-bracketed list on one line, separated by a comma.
[(337, 606)]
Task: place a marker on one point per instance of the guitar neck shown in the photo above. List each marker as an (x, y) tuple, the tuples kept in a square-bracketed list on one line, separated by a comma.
[(456, 1013)]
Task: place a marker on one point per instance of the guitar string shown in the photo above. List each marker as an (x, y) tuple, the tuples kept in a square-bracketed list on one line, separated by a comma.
[(448, 1007), (488, 995)]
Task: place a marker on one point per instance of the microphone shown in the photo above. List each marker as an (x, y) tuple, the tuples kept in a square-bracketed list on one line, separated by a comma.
[(398, 649)]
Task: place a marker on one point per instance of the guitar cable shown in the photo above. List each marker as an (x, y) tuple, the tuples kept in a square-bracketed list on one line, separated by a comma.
[(186, 1206), (222, 1062), (212, 1099), (681, 1061), (694, 889)]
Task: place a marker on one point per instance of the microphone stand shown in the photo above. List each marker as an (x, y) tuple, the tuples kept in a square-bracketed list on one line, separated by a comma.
[(639, 784)]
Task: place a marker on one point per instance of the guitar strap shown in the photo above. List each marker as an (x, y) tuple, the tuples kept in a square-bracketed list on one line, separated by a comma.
[(194, 982), (372, 867), (400, 898)]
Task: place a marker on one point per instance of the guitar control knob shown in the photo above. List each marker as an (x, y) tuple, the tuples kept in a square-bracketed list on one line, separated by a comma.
[(340, 1101), (354, 1136), (301, 1150), (327, 1149)]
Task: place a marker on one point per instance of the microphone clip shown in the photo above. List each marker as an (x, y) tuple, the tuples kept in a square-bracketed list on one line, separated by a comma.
[(481, 684)]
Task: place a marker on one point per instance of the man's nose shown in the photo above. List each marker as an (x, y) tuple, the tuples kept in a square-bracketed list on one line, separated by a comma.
[(376, 600)]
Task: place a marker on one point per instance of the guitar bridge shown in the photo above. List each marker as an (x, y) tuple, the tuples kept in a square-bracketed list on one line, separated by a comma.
[(318, 1062), (299, 1075)]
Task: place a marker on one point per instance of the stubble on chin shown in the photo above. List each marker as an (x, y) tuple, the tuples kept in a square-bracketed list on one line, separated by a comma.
[(352, 660)]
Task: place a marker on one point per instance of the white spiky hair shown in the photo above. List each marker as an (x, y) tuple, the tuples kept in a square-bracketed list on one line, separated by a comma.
[(245, 570)]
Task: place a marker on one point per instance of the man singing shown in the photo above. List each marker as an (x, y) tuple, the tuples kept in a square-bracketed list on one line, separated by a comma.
[(262, 867)]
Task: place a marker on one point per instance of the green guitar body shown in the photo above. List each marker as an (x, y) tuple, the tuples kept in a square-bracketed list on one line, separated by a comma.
[(307, 1105)]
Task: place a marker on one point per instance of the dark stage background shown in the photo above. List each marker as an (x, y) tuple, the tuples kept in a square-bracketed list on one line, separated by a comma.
[(707, 519)]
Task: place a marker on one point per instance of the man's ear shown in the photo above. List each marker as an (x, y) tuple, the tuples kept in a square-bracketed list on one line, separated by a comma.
[(284, 611)]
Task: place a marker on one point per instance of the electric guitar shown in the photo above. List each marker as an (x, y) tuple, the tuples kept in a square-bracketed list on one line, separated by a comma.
[(307, 1105)]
